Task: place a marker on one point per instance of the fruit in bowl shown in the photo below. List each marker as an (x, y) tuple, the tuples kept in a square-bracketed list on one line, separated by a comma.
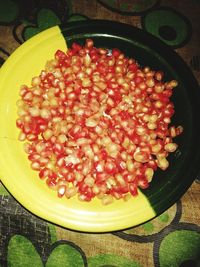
[(97, 124)]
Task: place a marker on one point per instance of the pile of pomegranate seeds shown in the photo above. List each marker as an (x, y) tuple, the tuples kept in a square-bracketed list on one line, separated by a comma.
[(97, 124)]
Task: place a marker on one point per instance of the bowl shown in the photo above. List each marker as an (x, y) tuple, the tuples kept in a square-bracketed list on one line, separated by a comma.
[(166, 187)]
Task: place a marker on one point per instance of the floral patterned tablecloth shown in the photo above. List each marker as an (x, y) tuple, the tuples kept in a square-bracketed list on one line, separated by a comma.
[(173, 238)]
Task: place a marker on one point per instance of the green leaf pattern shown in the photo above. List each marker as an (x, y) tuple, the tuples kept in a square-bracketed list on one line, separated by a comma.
[(65, 256), (22, 253), (179, 246), (46, 18)]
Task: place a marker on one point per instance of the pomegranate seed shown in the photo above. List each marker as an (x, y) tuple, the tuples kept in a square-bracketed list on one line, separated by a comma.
[(120, 179), (89, 43), (133, 189), (43, 173), (62, 138), (36, 81), (151, 125), (170, 147), (89, 180), (130, 165), (150, 82), (179, 130), (51, 183), (159, 75), (143, 183), (31, 137), (149, 172), (158, 104), (70, 192), (22, 136), (61, 190), (107, 199), (172, 131), (47, 134), (162, 162), (156, 148), (35, 166), (86, 82), (45, 113), (141, 156), (90, 122), (97, 124)]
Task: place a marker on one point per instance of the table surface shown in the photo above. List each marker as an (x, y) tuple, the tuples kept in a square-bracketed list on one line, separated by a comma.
[(173, 238)]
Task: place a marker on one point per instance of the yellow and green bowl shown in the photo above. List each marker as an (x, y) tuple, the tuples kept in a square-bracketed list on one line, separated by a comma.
[(167, 186)]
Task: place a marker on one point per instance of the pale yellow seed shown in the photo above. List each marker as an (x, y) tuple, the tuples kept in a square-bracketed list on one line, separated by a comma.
[(167, 120), (124, 155), (126, 86), (158, 104), (149, 172), (120, 179), (153, 118), (124, 124), (86, 82), (101, 85), (69, 150), (22, 136), (53, 102), (89, 180), (112, 149), (21, 112), (159, 88), (51, 165), (35, 81), (106, 140), (82, 141), (151, 125), (45, 113), (110, 102), (139, 157), (62, 138), (39, 147), (48, 134), (35, 166), (56, 119), (127, 197), (146, 117), (34, 111), (98, 130), (130, 165), (156, 148), (140, 130), (107, 199), (110, 182), (131, 148), (20, 103), (162, 162), (87, 60), (150, 82), (95, 190), (126, 142), (170, 147), (70, 192), (88, 151), (90, 122), (95, 148), (27, 147), (153, 135)]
